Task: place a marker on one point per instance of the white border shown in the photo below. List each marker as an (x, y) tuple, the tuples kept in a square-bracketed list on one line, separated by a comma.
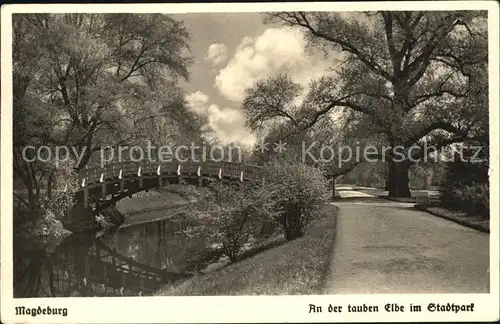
[(243, 308)]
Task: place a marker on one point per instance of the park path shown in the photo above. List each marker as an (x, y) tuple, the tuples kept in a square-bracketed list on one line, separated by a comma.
[(387, 247)]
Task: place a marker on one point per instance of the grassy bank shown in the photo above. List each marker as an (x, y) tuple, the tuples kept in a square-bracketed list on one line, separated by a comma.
[(148, 201), (296, 267), (477, 222)]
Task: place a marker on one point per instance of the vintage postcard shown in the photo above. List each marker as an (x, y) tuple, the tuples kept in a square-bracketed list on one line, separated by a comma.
[(251, 162)]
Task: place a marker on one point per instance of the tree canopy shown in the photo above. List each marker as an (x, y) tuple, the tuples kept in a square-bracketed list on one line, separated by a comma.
[(408, 76), (86, 81)]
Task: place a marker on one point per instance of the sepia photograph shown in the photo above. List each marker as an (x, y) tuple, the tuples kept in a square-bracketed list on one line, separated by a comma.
[(250, 152)]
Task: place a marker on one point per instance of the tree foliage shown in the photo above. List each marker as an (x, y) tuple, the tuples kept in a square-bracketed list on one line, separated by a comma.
[(408, 76), (85, 81)]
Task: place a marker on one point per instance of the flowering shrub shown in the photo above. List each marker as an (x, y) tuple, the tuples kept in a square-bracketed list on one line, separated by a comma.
[(291, 195), (299, 192), (231, 217)]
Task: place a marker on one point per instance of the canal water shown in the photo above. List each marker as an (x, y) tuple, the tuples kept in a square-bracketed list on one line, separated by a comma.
[(127, 261)]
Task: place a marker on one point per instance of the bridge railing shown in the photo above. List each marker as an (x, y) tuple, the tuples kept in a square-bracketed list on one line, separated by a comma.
[(252, 171), (190, 167), (232, 170), (121, 170)]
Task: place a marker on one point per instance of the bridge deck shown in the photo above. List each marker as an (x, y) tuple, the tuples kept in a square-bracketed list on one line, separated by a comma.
[(126, 178), (122, 170)]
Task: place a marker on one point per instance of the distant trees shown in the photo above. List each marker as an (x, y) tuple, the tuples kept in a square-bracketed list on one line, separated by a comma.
[(85, 81), (409, 76)]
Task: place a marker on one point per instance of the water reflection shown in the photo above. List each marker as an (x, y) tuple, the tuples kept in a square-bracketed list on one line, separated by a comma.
[(129, 261)]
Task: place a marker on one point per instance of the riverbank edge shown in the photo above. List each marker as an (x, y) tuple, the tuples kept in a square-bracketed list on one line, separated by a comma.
[(296, 267)]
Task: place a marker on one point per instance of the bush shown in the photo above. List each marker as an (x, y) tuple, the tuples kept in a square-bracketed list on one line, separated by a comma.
[(37, 222), (233, 216), (466, 184), (474, 198), (299, 192)]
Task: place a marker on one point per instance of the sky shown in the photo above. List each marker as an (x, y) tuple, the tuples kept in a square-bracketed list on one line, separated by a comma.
[(232, 51)]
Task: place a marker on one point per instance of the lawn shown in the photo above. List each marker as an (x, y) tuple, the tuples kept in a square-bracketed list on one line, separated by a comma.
[(296, 267), (478, 222), (146, 207)]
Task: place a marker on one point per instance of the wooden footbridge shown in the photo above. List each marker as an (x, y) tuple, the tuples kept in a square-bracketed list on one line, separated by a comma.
[(101, 187)]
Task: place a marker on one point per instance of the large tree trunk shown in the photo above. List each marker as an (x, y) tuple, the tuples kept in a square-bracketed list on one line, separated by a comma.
[(398, 180)]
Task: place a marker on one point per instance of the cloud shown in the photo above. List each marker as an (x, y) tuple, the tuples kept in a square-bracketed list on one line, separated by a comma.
[(217, 53), (198, 101), (227, 124), (277, 50)]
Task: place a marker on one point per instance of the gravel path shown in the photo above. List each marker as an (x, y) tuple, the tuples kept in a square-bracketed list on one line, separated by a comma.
[(392, 248)]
